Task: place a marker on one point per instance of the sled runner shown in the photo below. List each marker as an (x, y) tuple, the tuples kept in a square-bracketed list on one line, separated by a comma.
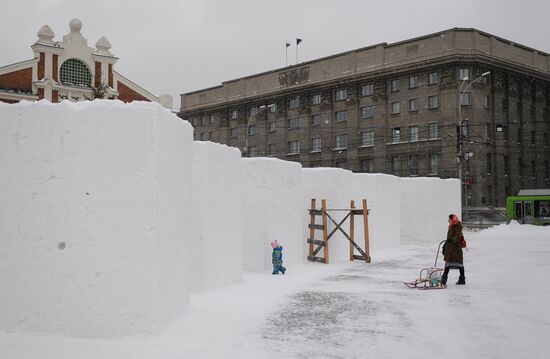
[(429, 278)]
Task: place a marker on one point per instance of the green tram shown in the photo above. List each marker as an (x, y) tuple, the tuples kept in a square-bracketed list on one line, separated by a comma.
[(530, 206)]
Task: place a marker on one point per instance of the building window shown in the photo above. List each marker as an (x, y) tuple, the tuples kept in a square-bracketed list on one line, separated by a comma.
[(465, 128), (412, 105), (74, 72), (234, 114), (341, 141), (434, 164), (212, 120), (433, 101), (252, 111), (465, 99), (395, 135), (271, 149), (210, 135), (433, 130), (367, 165), (341, 116), (315, 120), (489, 164), (294, 103), (395, 166), (533, 168), (293, 123), (272, 126), (272, 107), (520, 135), (463, 73), (433, 78), (487, 132), (367, 112), (316, 144), (341, 94), (413, 165), (367, 138), (414, 133), (316, 99), (251, 130), (252, 151), (395, 108), (533, 137), (487, 102), (413, 81), (233, 132), (293, 147), (367, 90), (395, 85)]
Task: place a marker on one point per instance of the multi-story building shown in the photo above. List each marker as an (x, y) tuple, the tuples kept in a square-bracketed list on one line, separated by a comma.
[(394, 108), (70, 70)]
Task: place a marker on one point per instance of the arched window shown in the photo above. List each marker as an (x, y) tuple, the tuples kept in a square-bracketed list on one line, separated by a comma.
[(74, 72)]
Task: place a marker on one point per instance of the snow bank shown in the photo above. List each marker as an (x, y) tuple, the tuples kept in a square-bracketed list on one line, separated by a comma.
[(217, 216), (92, 222), (272, 210), (426, 204)]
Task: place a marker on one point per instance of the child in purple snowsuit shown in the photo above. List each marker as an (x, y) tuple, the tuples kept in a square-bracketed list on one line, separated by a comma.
[(277, 258)]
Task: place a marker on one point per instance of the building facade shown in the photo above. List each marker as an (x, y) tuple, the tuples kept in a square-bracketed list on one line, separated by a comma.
[(455, 103), (71, 70)]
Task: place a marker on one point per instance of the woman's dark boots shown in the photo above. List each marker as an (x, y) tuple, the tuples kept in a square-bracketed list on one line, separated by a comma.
[(461, 278), (444, 276)]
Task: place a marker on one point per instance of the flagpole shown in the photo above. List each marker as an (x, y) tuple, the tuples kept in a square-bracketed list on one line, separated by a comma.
[(298, 41), (286, 48)]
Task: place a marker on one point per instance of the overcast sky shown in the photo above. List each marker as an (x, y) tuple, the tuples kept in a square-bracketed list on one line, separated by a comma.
[(181, 45)]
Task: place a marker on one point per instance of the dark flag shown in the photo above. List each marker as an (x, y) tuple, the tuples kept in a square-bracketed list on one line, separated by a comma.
[(287, 44), (298, 41)]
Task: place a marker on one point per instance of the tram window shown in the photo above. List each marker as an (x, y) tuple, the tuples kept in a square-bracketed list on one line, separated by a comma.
[(527, 209), (542, 208), (517, 210)]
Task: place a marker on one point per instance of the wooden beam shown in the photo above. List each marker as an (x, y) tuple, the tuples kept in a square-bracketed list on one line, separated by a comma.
[(366, 226), (325, 236), (351, 230), (311, 224)]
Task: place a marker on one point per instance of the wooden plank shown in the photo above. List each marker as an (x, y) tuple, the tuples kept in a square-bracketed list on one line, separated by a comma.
[(312, 229), (316, 259), (358, 257), (366, 226), (351, 230), (315, 212), (316, 226), (356, 212), (315, 241), (325, 236)]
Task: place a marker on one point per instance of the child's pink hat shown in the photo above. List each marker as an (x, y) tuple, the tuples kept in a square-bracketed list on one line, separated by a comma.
[(274, 244)]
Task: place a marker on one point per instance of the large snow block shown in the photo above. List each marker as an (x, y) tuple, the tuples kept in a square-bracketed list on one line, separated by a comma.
[(425, 206), (94, 217), (272, 210), (217, 216)]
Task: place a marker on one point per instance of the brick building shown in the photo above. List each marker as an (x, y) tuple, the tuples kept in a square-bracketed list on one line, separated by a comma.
[(69, 69), (393, 108)]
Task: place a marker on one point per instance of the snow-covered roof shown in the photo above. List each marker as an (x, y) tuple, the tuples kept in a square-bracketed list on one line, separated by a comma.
[(534, 192)]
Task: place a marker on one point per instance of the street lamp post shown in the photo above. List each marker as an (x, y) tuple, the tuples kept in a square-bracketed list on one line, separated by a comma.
[(460, 155), (249, 120)]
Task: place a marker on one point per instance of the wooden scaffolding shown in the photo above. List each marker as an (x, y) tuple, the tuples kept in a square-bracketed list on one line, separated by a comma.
[(315, 245)]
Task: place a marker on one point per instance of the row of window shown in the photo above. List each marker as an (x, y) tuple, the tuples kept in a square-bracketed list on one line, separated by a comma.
[(521, 166)]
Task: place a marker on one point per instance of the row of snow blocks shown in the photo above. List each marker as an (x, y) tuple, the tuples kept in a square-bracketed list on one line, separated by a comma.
[(339, 187), (217, 198), (272, 210), (426, 204), (94, 217)]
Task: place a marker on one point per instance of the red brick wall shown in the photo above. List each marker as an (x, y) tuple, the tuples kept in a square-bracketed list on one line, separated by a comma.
[(97, 82), (40, 94), (126, 94), (41, 66), (8, 101), (54, 70), (55, 96), (21, 80)]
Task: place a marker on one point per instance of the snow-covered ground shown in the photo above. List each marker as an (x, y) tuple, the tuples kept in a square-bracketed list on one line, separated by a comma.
[(354, 310)]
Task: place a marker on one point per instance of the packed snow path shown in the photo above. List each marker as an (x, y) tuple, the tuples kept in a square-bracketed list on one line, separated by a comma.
[(354, 310)]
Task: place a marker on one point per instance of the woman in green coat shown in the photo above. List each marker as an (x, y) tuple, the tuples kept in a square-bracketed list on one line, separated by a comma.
[(453, 250)]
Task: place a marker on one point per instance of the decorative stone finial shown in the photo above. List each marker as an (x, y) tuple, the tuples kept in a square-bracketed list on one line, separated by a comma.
[(45, 35), (75, 25), (103, 45)]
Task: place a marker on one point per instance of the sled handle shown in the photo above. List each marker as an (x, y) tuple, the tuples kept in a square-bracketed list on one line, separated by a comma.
[(437, 255)]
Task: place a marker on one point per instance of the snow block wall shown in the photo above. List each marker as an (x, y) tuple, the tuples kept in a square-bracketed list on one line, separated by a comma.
[(217, 216), (426, 204), (272, 210), (92, 225)]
